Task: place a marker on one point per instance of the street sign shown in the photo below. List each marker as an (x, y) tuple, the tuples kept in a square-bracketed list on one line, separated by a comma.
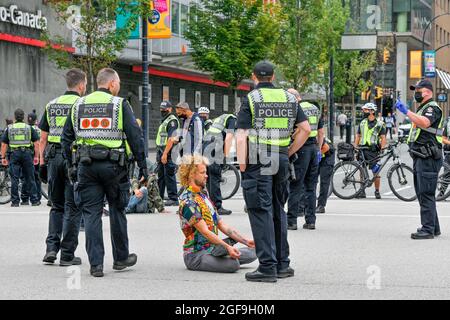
[(358, 42), (430, 63)]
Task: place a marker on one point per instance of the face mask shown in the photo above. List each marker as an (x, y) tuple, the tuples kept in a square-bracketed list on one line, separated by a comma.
[(182, 116), (418, 97), (366, 115), (164, 113), (203, 119)]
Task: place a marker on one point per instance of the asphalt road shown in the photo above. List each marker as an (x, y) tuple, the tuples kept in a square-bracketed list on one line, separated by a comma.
[(360, 250)]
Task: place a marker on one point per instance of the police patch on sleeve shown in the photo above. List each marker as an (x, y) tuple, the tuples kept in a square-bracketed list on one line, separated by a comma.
[(429, 112)]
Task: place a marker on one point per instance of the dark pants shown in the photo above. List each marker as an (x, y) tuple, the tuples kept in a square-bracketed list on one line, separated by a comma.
[(342, 130), (21, 163), (166, 177), (390, 131), (94, 182), (64, 220), (306, 172), (325, 172), (265, 196), (214, 177), (24, 195), (425, 182)]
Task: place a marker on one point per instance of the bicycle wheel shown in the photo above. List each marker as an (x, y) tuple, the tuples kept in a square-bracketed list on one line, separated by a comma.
[(348, 179), (231, 180), (443, 190), (401, 182), (5, 186), (44, 188)]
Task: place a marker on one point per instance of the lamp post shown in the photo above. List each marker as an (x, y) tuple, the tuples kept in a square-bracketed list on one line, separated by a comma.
[(144, 102), (423, 39)]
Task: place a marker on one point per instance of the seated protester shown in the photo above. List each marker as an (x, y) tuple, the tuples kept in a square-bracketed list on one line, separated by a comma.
[(138, 201), (200, 223)]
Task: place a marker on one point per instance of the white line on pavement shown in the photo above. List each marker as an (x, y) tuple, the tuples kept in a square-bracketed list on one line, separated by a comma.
[(401, 189)]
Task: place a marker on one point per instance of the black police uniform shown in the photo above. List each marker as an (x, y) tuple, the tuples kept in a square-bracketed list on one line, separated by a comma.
[(325, 172), (167, 172), (426, 171), (105, 177), (21, 165), (302, 190), (215, 169), (65, 217), (265, 196)]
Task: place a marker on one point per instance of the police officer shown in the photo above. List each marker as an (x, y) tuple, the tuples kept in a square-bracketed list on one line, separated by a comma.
[(64, 220), (22, 140), (371, 135), (32, 119), (191, 137), (446, 146), (302, 190), (217, 144), (104, 129), (164, 143), (325, 173), (268, 118), (425, 140), (203, 113)]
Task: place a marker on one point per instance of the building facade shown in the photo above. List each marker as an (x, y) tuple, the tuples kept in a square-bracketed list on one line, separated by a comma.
[(400, 26), (30, 80)]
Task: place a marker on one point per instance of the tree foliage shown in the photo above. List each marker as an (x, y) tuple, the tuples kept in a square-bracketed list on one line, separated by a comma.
[(93, 24), (229, 36)]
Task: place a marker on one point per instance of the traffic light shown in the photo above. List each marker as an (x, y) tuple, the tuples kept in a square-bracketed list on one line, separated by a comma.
[(379, 94), (365, 95), (386, 56)]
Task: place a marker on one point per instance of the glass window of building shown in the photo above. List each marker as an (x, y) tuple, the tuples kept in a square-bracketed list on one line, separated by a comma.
[(198, 99), (184, 16), (225, 102), (175, 17), (212, 101), (182, 95), (165, 93)]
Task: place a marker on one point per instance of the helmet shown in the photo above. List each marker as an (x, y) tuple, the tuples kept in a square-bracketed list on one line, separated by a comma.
[(370, 106), (203, 110)]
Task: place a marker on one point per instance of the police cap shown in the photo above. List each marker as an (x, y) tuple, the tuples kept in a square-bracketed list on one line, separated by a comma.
[(422, 84), (263, 69), (165, 105)]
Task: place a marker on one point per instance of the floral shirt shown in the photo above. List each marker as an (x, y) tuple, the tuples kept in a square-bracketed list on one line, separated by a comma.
[(194, 207)]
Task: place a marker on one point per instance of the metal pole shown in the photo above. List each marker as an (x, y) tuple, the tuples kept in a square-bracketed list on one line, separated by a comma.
[(331, 102), (145, 83)]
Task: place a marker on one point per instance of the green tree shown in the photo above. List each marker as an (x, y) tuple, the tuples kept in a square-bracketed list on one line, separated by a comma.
[(97, 39), (229, 36)]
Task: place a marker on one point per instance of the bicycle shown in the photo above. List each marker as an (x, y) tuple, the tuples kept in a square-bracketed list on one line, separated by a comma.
[(443, 190), (356, 175), (5, 186), (230, 182)]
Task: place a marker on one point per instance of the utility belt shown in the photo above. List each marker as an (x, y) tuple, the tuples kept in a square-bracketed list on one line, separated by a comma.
[(30, 149), (425, 151), (86, 154), (51, 150)]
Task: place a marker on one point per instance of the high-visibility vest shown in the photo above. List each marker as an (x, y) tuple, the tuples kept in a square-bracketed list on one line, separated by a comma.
[(163, 135), (313, 113), (369, 136), (57, 112), (218, 126), (274, 112), (207, 124), (98, 120), (415, 131), (19, 135)]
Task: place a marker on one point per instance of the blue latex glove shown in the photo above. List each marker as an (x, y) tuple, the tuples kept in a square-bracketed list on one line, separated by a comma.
[(319, 156), (401, 106)]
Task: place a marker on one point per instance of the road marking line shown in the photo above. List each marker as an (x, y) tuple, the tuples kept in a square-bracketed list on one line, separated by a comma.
[(401, 189), (377, 215)]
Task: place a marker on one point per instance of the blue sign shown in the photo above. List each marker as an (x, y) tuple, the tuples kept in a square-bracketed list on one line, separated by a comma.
[(442, 97), (430, 64)]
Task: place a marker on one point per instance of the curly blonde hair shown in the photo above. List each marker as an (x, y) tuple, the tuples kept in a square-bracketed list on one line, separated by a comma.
[(188, 166)]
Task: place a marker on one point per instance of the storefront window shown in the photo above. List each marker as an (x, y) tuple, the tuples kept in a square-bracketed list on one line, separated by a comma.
[(175, 17)]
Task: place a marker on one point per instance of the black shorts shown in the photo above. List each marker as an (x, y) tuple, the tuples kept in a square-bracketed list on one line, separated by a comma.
[(370, 156)]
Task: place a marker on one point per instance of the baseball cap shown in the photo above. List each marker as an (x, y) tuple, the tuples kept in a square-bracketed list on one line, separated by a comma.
[(183, 105), (422, 84), (165, 104), (263, 69)]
